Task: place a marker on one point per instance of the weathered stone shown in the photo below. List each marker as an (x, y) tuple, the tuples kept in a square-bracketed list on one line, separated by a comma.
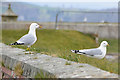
[(37, 63)]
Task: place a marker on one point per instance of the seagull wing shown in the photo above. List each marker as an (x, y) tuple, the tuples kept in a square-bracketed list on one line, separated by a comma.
[(91, 52), (27, 39)]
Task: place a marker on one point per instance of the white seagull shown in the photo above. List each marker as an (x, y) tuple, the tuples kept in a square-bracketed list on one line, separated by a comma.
[(99, 52), (30, 38)]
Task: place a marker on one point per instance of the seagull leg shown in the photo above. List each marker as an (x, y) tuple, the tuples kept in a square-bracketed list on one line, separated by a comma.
[(28, 49), (29, 52)]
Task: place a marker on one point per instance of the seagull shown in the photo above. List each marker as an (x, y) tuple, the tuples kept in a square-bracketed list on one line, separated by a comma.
[(99, 52), (30, 38)]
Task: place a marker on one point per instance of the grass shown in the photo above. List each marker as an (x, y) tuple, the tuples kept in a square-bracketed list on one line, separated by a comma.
[(0, 35), (35, 58), (59, 43), (81, 66), (18, 69), (67, 63), (42, 75), (2, 64)]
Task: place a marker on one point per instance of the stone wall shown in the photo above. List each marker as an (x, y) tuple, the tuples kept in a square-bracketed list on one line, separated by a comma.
[(104, 30), (48, 66)]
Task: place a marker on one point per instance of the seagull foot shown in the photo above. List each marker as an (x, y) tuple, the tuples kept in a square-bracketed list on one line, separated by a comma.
[(28, 49), (29, 52)]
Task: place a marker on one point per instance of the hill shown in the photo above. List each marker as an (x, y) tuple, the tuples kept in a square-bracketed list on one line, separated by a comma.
[(30, 12), (58, 43)]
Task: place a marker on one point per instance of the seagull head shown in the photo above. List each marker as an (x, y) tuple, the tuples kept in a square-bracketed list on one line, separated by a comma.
[(104, 44), (35, 25)]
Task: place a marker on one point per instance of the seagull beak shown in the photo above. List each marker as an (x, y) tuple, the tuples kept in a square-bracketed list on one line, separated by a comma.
[(40, 26), (107, 44)]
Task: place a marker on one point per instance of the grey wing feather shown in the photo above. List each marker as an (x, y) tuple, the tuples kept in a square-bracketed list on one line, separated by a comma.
[(92, 51), (27, 39)]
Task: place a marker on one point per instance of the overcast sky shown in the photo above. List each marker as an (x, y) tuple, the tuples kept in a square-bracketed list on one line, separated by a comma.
[(85, 4), (63, 0)]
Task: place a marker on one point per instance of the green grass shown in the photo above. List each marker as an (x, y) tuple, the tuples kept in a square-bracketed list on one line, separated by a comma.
[(35, 58), (2, 64), (0, 35), (67, 63), (41, 74), (18, 69), (59, 43)]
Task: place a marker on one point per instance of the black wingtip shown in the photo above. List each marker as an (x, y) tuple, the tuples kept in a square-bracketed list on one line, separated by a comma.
[(15, 43), (75, 51)]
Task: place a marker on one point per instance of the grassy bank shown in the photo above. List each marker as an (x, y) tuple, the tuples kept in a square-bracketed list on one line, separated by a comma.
[(59, 43)]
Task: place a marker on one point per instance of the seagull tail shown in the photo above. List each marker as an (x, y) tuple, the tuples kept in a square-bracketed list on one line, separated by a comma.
[(77, 52), (16, 43)]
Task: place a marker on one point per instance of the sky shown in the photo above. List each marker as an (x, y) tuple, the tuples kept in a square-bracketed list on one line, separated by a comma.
[(63, 0), (84, 4), (81, 5)]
